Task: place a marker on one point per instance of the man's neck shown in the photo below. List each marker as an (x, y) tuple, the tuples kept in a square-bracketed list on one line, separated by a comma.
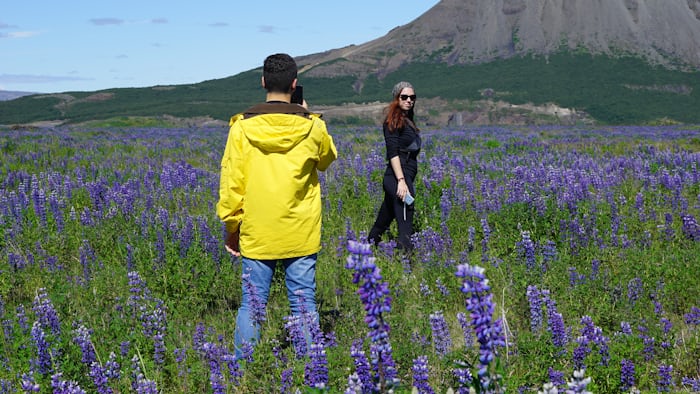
[(274, 96)]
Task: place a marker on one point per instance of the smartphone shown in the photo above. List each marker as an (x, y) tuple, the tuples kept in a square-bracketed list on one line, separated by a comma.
[(408, 199), (298, 95)]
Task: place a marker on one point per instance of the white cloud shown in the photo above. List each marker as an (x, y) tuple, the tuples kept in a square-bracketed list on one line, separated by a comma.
[(19, 34), (106, 21)]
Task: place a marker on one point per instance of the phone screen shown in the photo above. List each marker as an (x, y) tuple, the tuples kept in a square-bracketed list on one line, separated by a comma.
[(298, 95)]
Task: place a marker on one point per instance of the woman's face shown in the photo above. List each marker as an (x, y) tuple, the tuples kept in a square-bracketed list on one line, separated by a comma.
[(410, 99)]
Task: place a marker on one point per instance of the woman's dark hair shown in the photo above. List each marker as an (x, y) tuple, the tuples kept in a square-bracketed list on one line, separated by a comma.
[(396, 117), (279, 71)]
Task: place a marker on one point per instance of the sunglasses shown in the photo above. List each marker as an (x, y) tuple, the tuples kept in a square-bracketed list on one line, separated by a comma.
[(405, 97)]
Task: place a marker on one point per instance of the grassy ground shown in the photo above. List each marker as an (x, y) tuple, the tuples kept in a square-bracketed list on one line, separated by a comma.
[(110, 243)]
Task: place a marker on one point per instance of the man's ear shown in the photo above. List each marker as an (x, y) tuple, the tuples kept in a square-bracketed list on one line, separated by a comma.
[(262, 82), (294, 84)]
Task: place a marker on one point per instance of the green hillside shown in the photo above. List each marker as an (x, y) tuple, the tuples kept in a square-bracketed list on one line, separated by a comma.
[(623, 90)]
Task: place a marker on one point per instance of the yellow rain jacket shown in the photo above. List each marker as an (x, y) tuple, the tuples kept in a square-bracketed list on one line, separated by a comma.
[(269, 186)]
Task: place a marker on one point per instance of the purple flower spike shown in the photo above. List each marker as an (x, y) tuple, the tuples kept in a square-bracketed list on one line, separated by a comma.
[(374, 294), (481, 307), (420, 375)]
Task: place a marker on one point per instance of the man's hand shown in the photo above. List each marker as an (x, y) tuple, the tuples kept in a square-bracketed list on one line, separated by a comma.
[(231, 243)]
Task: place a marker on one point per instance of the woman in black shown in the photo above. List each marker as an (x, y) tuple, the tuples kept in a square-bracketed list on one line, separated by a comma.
[(402, 147)]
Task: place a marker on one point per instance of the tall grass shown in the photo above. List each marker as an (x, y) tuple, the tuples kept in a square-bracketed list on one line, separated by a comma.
[(577, 248)]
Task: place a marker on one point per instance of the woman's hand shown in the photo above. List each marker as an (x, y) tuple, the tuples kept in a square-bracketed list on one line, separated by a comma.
[(402, 189)]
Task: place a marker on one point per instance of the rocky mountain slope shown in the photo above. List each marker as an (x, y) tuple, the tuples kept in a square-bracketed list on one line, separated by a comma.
[(665, 32)]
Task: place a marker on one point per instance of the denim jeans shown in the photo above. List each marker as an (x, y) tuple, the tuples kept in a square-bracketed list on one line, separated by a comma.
[(300, 277)]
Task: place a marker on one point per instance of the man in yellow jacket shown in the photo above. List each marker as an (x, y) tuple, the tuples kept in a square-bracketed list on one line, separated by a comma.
[(270, 196)]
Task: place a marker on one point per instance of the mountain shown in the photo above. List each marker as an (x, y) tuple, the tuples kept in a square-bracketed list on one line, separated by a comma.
[(459, 32), (10, 95), (476, 61)]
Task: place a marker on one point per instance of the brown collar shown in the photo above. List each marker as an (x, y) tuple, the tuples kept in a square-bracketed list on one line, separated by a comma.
[(276, 107)]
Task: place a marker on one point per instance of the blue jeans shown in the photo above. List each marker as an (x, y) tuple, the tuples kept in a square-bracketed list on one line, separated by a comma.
[(300, 277)]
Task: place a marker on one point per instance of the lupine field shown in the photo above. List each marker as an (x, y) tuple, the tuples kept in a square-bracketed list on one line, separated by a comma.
[(549, 259)]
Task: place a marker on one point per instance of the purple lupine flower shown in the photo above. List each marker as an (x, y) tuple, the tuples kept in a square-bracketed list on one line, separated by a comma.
[(56, 211), (555, 322), (362, 367), (39, 197), (83, 340), (257, 306), (22, 320), (464, 379), (466, 329), (42, 362), (481, 307), (595, 269), (471, 233), (579, 383), (649, 350), (61, 386), (139, 382), (112, 369), (534, 298), (625, 328), (180, 356), (286, 381), (635, 287), (420, 375), (548, 388), (556, 377), (575, 278), (693, 317), (627, 378), (693, 383), (29, 384), (16, 261), (46, 313), (445, 204), (691, 229), (130, 266), (295, 334), (594, 335), (374, 294), (668, 227), (354, 384), (441, 287), (639, 205), (665, 382), (99, 378), (581, 351), (384, 366), (87, 259), (441, 333), (526, 250), (124, 348), (425, 289), (316, 370)]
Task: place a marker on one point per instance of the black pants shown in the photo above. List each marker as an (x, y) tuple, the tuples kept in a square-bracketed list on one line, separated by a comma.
[(393, 208)]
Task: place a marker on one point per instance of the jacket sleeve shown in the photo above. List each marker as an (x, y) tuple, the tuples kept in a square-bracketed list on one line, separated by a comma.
[(232, 184), (327, 152)]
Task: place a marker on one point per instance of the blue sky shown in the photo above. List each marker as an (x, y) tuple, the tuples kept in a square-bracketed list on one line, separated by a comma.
[(53, 46)]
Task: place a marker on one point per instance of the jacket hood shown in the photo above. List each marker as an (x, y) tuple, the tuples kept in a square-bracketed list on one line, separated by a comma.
[(275, 127)]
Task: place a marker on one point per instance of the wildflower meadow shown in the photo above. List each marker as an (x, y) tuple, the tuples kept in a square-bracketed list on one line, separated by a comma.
[(547, 259)]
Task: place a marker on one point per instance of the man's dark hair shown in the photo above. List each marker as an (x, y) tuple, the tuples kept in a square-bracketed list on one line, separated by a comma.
[(279, 71)]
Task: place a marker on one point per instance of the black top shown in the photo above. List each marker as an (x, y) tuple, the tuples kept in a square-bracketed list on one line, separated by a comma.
[(406, 144)]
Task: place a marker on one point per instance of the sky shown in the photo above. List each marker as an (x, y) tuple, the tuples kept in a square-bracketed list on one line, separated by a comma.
[(50, 46)]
